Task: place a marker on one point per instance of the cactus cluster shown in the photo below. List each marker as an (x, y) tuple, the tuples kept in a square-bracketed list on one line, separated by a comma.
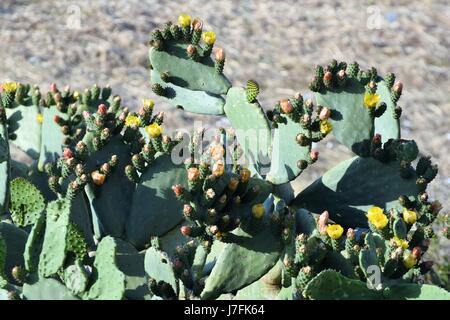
[(105, 212)]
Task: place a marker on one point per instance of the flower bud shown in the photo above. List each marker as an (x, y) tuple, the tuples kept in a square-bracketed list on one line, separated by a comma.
[(193, 174), (53, 88), (327, 76), (98, 178), (102, 109), (286, 106), (186, 231), (219, 54), (325, 113), (314, 155), (398, 87), (178, 189), (67, 153), (218, 169)]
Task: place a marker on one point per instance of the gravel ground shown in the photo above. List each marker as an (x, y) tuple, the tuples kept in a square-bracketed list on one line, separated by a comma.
[(275, 42)]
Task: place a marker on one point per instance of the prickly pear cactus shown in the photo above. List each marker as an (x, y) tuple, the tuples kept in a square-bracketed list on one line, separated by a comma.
[(115, 207)]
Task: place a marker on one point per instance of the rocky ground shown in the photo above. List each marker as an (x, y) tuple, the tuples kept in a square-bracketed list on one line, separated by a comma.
[(275, 42)]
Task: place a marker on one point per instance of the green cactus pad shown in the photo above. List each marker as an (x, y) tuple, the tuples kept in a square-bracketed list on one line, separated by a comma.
[(75, 278), (258, 290), (172, 239), (111, 201), (109, 280), (5, 172), (155, 209), (368, 255), (200, 102), (54, 246), (336, 261), (158, 267), (187, 73), (52, 137), (284, 166), (240, 264), (387, 125), (305, 222), (348, 190), (331, 285), (252, 127), (47, 289), (15, 240), (33, 246), (23, 123), (412, 291), (26, 203)]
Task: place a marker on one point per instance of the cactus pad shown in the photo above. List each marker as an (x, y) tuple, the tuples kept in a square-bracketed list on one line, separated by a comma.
[(355, 185), (14, 239), (159, 268), (75, 278), (412, 291), (47, 289), (33, 246), (27, 202)]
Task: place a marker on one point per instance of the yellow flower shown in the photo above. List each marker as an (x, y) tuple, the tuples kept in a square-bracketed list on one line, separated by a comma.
[(154, 130), (209, 37), (148, 103), (184, 20), (76, 95), (258, 211), (409, 216), (40, 118), (325, 127), (376, 216), (335, 231), (132, 120), (9, 86), (409, 260), (400, 242), (371, 100)]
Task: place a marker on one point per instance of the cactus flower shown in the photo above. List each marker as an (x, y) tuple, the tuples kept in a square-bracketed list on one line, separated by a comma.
[(148, 103), (409, 261), (98, 178), (258, 211), (325, 127), (9, 86), (209, 37), (377, 217), (401, 243), (40, 118), (184, 20), (409, 216), (210, 193), (154, 130), (335, 231), (132, 120), (371, 100)]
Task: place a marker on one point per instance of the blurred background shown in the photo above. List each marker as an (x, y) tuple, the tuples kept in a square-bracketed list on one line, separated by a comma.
[(274, 42)]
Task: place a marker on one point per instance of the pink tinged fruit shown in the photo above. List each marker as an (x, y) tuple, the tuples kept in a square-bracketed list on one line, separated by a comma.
[(314, 155), (185, 230), (323, 221), (53, 88)]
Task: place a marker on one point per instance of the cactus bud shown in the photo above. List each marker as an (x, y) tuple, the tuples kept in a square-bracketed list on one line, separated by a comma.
[(398, 87), (351, 233), (376, 139), (67, 153), (197, 24), (193, 174), (258, 211), (325, 113), (214, 229), (323, 221), (98, 178), (53, 88), (102, 109), (286, 106), (233, 184), (327, 76), (86, 115), (244, 175), (218, 169), (178, 190), (314, 155), (302, 139), (217, 152), (18, 274), (187, 210), (186, 231), (219, 55), (210, 193), (417, 252)]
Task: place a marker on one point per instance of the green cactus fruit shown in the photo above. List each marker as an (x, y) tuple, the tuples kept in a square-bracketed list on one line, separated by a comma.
[(14, 239), (109, 281), (200, 102), (159, 267), (110, 202), (33, 245), (26, 203), (284, 165), (367, 181), (331, 285), (54, 247), (243, 262), (187, 73), (47, 289), (412, 291), (252, 127), (76, 278), (155, 209), (252, 91), (25, 123)]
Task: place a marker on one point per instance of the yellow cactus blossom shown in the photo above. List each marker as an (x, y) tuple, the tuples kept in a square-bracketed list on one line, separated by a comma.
[(258, 211), (76, 95), (40, 118), (154, 130), (401, 243), (148, 103), (409, 216), (325, 127), (371, 100), (377, 217), (9, 86), (184, 20), (132, 120), (209, 37), (409, 260), (335, 231)]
